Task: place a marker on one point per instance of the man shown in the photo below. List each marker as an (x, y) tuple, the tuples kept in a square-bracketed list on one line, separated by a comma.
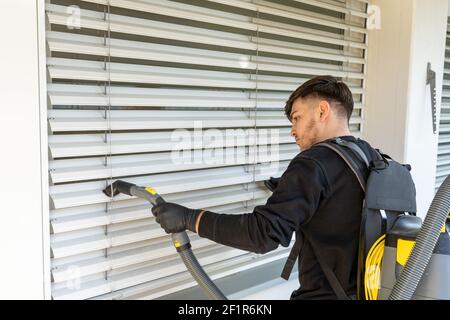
[(318, 193)]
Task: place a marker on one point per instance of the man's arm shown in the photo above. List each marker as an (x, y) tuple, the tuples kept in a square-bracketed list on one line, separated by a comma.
[(294, 201)]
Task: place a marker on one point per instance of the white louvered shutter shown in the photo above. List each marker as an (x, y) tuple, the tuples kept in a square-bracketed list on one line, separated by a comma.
[(443, 158), (123, 75)]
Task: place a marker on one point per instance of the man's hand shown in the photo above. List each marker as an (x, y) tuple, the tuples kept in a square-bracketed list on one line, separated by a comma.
[(272, 183), (174, 218)]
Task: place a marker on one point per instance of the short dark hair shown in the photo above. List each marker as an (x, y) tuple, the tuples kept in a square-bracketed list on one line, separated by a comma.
[(325, 87)]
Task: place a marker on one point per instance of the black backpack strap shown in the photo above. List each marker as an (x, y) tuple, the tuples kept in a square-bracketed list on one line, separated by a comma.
[(290, 262), (329, 274), (356, 149), (340, 147), (349, 160)]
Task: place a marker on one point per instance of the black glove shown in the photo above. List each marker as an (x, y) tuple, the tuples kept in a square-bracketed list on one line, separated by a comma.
[(272, 183), (174, 218)]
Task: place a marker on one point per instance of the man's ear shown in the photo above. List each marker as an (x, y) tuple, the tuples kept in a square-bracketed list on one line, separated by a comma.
[(324, 110)]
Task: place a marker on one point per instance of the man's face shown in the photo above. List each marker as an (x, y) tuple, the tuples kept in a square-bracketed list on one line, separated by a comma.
[(305, 122)]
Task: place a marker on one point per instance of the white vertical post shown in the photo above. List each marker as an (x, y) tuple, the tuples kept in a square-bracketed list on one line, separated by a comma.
[(23, 210)]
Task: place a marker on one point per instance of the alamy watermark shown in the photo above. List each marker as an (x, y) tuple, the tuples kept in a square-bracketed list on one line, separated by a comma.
[(226, 147)]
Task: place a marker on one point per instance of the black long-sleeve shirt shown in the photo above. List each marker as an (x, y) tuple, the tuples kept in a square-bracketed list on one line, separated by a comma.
[(318, 192)]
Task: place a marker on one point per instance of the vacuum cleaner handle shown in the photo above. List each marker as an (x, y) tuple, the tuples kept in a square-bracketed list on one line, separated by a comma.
[(180, 240)]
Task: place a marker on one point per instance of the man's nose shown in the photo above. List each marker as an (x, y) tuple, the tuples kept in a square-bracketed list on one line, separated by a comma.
[(293, 132)]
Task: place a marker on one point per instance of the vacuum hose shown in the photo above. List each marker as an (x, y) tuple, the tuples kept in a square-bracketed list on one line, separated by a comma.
[(197, 271), (180, 240), (426, 240)]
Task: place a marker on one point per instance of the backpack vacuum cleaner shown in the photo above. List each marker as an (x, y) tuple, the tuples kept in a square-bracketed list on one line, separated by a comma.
[(411, 261)]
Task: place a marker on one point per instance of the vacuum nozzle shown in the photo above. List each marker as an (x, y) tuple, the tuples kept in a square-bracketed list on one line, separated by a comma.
[(118, 187)]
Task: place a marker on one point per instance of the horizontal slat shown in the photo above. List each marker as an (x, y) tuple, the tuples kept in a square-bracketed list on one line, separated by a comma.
[(272, 9), (118, 214), (445, 93), (444, 138), (119, 166), (335, 7), (291, 33), (188, 12), (444, 117), (166, 31), (155, 248), (71, 94), (316, 41), (119, 260), (148, 272), (265, 27), (164, 286), (77, 194), (90, 239), (76, 246), (191, 198), (129, 73), (443, 169), (94, 95), (443, 149), (148, 230), (133, 74), (93, 120), (439, 180), (443, 160), (61, 42), (85, 95), (62, 146), (444, 128), (445, 106)]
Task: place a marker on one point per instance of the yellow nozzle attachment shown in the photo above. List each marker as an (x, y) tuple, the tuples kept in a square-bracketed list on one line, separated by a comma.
[(151, 190)]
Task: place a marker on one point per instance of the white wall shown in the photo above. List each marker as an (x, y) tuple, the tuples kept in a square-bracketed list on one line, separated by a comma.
[(22, 237), (398, 114), (388, 64), (428, 45)]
